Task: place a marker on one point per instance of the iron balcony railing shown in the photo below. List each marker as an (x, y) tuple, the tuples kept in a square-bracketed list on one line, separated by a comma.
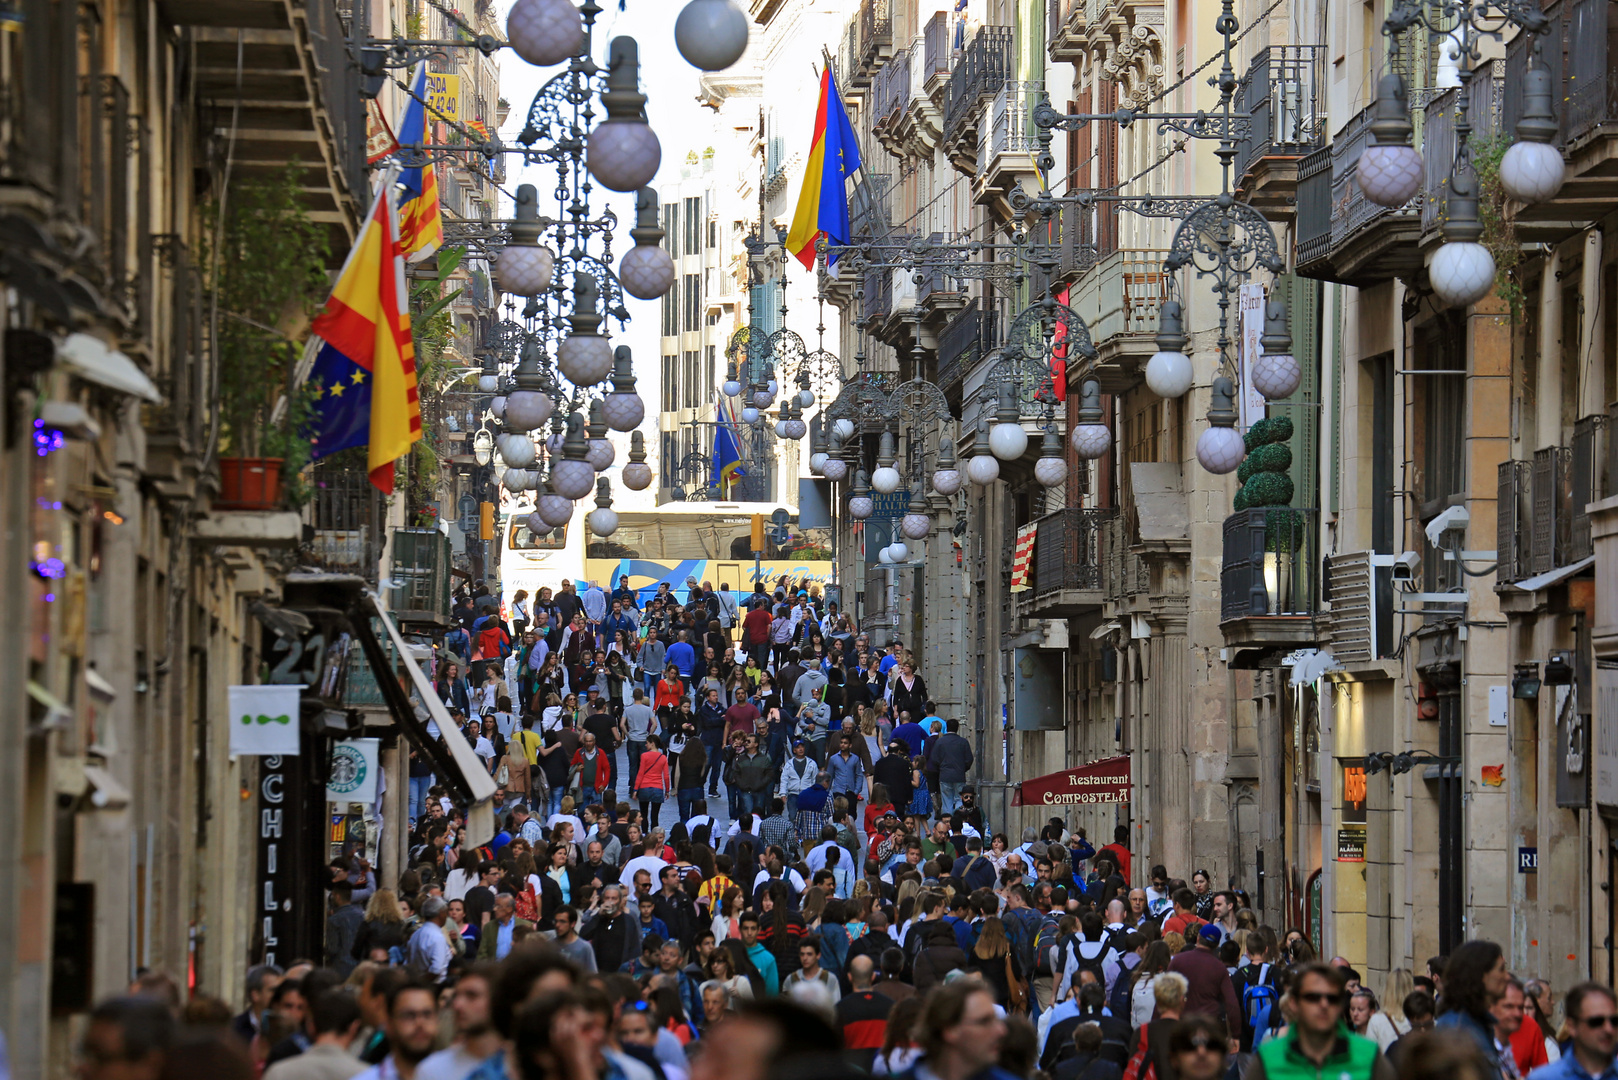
[(1313, 224), (935, 282), (1088, 233), (1514, 512), (1590, 478), (1125, 573), (1283, 97), (1351, 210), (966, 338), (348, 516), (1068, 550), (1271, 563), (340, 94), (420, 571), (937, 46), (1552, 49), (1438, 134), (1011, 126), (890, 91), (983, 68), (1122, 294), (1550, 527), (876, 31)]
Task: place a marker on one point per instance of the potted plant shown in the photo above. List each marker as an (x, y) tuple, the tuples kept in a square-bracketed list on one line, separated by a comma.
[(269, 278), (1267, 486)]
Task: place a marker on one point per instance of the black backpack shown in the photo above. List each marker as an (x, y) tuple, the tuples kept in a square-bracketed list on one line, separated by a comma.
[(1094, 964)]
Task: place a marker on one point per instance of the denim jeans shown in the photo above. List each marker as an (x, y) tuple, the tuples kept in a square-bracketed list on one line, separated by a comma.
[(587, 795), (635, 749), (688, 797), (556, 800), (715, 746), (949, 796), (776, 746), (418, 795)]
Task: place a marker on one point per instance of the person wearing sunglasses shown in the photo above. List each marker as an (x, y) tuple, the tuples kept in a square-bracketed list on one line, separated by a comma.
[(1317, 1042), (1592, 1018), (1197, 1048)]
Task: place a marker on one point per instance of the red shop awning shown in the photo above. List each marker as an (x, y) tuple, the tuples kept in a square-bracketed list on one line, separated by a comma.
[(1104, 781)]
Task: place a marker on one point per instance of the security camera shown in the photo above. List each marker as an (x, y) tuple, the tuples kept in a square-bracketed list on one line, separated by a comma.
[(1405, 565), (1455, 520)]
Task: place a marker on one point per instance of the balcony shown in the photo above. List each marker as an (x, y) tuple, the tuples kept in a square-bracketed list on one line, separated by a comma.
[(1438, 136), (1119, 300), (938, 294), (1342, 235), (937, 54), (1068, 573), (348, 516), (983, 69), (1125, 575), (966, 339), (1581, 49), (1282, 93), (890, 103), (420, 573), (1009, 143), (1269, 579), (875, 42)]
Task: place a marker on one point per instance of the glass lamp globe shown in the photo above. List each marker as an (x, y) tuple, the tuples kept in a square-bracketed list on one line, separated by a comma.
[(603, 521), (538, 525), (806, 398), (528, 409), (835, 469), (623, 412), (763, 398), (947, 481), (1090, 441), (732, 387), (749, 415), (545, 32), (711, 34), (1050, 471), (1008, 442), (554, 510), (516, 450), (647, 271), (488, 384), (553, 444), (843, 429), (514, 480), (860, 507), (601, 455), (1220, 449), (886, 480), (898, 551), (1462, 273), (773, 387), (498, 408), (795, 428), (885, 557), (585, 359), (637, 476), (1390, 175), (524, 269), (916, 526), (1276, 375), (982, 469), (817, 463), (1169, 374), (1532, 172), (573, 479), (623, 155)]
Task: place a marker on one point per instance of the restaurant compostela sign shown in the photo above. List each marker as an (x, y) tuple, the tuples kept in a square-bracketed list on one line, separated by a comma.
[(1104, 781)]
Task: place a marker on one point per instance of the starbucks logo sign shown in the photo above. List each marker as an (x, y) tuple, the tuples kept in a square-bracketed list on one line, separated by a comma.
[(348, 769)]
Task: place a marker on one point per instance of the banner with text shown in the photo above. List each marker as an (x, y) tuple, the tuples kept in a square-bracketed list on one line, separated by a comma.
[(1104, 781), (354, 768)]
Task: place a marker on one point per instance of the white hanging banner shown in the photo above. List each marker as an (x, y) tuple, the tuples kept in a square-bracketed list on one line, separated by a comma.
[(1250, 303), (355, 764), (264, 720)]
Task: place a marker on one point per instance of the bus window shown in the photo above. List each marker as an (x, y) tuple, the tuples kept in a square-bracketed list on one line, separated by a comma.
[(524, 540), (675, 538)]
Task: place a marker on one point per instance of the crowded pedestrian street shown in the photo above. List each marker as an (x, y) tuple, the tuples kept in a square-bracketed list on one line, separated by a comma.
[(809, 540)]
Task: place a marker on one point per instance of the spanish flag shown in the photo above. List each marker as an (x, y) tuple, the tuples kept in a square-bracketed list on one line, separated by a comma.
[(421, 224), (834, 156), (363, 379)]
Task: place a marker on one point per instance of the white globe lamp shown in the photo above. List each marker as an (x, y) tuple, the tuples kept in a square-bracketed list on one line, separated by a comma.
[(1532, 170), (1390, 170), (1220, 448), (545, 32), (646, 270), (623, 152), (711, 34)]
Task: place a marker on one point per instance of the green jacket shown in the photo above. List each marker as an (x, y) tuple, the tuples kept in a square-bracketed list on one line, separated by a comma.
[(490, 938), (1352, 1058)]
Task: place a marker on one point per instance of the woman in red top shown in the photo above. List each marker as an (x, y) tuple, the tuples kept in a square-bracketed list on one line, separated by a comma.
[(595, 770), (652, 782), (878, 805), (670, 692)]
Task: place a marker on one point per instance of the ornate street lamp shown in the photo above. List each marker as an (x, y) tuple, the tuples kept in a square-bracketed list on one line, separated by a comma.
[(524, 266), (1220, 449), (573, 476), (601, 453), (647, 270), (1276, 373), (637, 475), (585, 356), (711, 34), (623, 152), (623, 408), (1169, 373), (603, 519), (545, 32)]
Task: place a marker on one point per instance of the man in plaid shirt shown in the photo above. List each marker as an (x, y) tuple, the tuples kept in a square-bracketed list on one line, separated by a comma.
[(814, 806), (777, 831)]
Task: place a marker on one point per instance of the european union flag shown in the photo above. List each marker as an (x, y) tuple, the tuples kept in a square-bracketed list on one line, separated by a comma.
[(727, 457)]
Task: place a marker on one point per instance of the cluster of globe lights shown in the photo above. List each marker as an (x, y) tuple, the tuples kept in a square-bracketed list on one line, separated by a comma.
[(1390, 173), (621, 154)]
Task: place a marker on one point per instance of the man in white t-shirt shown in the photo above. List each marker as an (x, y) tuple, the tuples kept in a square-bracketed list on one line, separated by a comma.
[(650, 860)]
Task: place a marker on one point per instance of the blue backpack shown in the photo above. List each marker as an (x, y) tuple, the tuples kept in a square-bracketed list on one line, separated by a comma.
[(1259, 1007)]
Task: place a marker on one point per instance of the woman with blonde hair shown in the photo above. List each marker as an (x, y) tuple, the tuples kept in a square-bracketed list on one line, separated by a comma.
[(1395, 988), (999, 966), (383, 928)]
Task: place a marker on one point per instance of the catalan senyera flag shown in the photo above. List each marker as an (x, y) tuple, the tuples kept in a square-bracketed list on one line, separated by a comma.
[(834, 156), (480, 127), (421, 222), (363, 378)]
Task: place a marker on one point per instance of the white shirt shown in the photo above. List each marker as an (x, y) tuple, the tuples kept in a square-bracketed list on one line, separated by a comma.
[(1142, 1002), (816, 859), (429, 950), (652, 864), (450, 1063), (789, 875), (460, 880), (571, 819)]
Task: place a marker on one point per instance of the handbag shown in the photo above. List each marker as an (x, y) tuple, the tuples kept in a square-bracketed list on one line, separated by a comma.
[(502, 775), (1016, 989), (527, 905)]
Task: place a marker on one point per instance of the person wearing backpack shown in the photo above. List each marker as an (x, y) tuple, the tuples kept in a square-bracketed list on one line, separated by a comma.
[(1149, 1051), (1090, 952), (1258, 988), (1051, 945), (1131, 949)]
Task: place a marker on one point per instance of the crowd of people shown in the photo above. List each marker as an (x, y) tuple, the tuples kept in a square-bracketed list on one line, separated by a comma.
[(842, 908)]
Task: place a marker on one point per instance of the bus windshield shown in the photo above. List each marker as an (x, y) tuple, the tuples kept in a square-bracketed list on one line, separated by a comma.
[(689, 536)]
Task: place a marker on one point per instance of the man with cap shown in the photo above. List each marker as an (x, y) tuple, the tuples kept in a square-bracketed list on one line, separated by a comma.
[(797, 775), (1209, 988)]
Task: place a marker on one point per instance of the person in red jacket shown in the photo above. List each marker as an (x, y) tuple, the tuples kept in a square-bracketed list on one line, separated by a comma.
[(1118, 850), (595, 771)]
